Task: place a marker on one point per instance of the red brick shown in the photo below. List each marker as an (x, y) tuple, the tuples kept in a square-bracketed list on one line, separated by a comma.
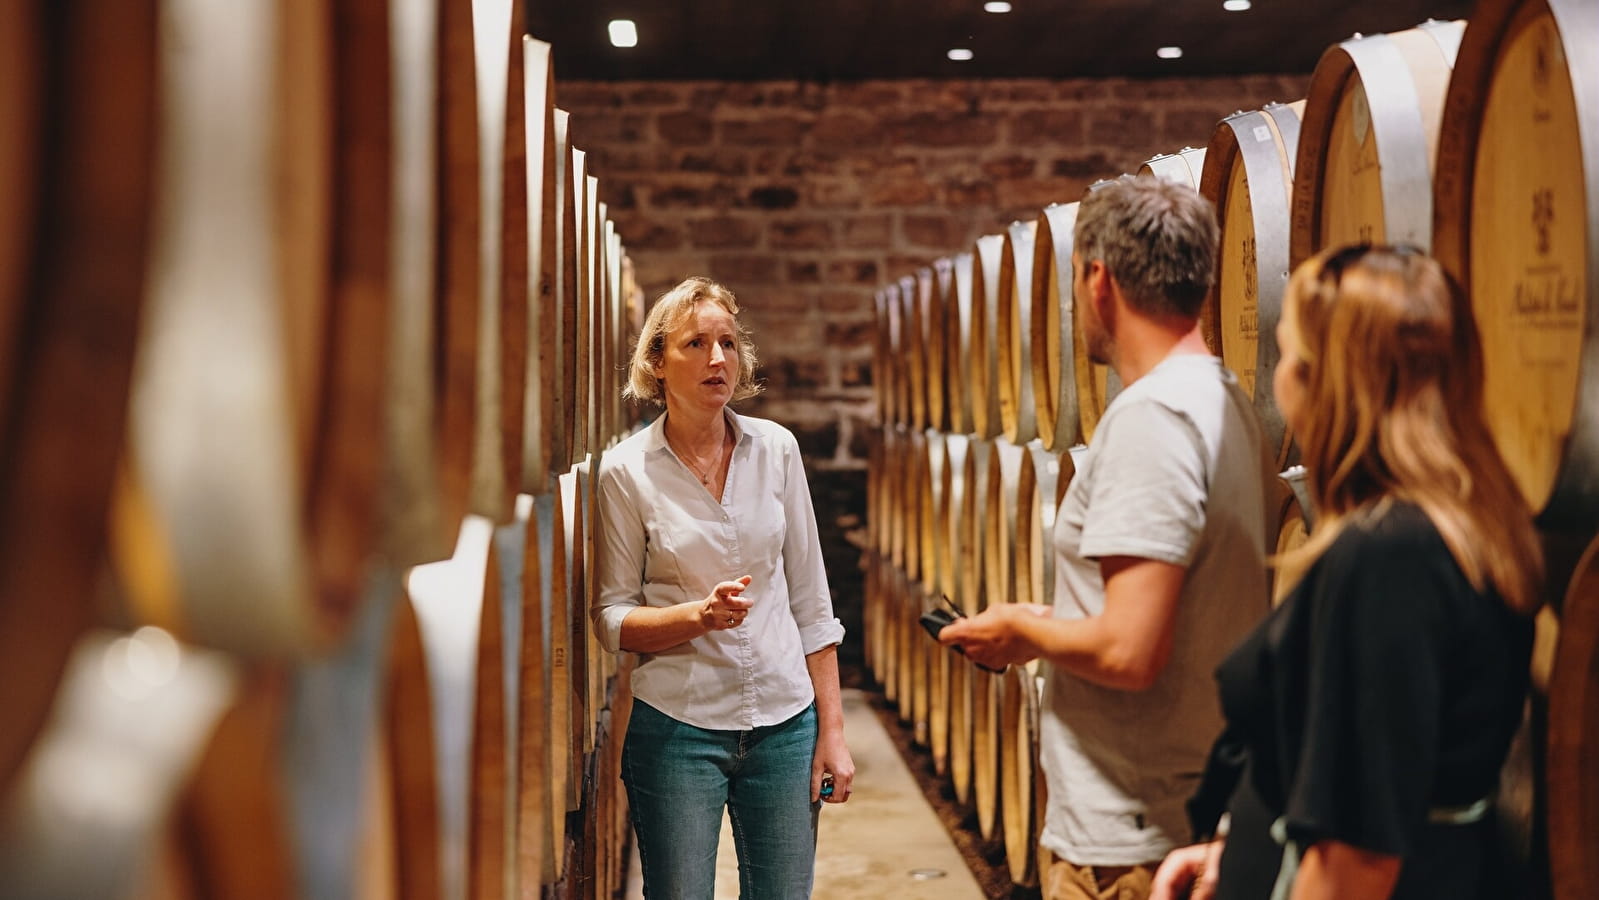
[(871, 94), (1022, 90), (938, 231), (780, 132), (803, 163), (967, 194), (586, 95), (724, 232), (835, 193), (1087, 165), (690, 196), (900, 191), (848, 130), (1046, 126), (774, 196), (684, 127), (656, 236), (847, 300), (849, 332), (1037, 193), (944, 130), (607, 128), (1010, 167), (715, 160), (1121, 126), (800, 234), (869, 232), (744, 270), (655, 95), (807, 271), (1187, 127), (779, 302), (852, 271)]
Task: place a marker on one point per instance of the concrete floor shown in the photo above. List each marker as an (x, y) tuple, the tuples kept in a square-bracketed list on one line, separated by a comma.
[(883, 843)]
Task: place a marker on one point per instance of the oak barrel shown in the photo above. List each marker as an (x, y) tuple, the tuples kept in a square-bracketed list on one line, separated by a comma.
[(1053, 329), (1041, 484), (958, 351), (1517, 197), (1249, 176), (77, 152), (1183, 167), (1000, 522), (984, 374), (935, 285), (913, 343), (1363, 171), (1019, 772), (1573, 736), (1015, 336), (259, 382)]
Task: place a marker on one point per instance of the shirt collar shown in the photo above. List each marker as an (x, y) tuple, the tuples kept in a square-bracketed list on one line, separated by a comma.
[(656, 433)]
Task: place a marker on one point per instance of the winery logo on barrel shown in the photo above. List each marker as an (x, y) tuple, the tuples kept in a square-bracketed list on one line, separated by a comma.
[(1543, 217), (1540, 61), (1251, 276)]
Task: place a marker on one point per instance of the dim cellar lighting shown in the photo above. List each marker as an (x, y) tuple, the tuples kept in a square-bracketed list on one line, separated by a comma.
[(960, 54), (623, 33), (1235, 5), (996, 6), (1169, 52)]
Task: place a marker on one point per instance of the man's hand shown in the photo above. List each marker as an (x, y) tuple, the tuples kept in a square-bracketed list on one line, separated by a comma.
[(996, 637)]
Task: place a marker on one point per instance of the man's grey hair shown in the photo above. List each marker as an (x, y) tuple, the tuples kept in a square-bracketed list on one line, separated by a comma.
[(1157, 238)]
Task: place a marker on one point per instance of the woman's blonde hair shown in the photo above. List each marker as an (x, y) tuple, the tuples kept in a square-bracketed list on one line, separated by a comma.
[(670, 311), (1392, 375)]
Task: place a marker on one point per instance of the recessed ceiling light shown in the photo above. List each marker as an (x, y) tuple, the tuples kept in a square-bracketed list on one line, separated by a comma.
[(1169, 52), (623, 33), (960, 54), (1235, 5), (996, 6)]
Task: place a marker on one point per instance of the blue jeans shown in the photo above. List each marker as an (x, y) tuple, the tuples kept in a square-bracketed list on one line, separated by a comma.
[(679, 779)]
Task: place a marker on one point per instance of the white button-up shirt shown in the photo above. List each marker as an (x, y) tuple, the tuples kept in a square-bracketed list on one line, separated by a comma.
[(664, 539)]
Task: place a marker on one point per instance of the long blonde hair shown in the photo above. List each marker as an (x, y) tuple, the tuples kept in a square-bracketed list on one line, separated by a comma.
[(1392, 376)]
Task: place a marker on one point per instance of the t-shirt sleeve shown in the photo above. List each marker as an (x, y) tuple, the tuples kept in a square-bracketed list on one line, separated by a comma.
[(1148, 486), (1365, 767)]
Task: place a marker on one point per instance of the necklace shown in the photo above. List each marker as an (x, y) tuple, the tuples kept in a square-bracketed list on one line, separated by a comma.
[(705, 476)]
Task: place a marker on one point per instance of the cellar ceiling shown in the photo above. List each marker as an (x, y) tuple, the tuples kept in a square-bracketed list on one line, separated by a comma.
[(844, 40)]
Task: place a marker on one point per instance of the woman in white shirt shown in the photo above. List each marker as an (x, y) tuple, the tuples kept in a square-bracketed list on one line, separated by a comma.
[(711, 570)]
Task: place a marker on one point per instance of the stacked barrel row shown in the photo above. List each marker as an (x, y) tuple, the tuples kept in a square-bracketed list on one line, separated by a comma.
[(1474, 141), (312, 319)]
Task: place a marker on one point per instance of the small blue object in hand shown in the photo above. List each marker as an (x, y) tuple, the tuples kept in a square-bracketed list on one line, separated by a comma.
[(827, 786)]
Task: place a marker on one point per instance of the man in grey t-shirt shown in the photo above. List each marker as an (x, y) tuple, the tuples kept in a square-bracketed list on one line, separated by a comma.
[(1160, 548)]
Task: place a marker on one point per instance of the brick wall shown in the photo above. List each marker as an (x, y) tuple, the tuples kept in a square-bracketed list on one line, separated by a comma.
[(804, 198)]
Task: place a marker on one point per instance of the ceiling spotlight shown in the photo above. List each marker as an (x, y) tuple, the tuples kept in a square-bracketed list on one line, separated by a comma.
[(960, 54), (623, 33), (996, 6), (1235, 5), (1169, 52)]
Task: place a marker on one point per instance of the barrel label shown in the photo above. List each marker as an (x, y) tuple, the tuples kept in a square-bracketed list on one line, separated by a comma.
[(1240, 282)]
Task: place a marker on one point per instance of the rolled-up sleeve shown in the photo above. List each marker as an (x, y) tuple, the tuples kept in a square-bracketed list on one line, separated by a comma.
[(808, 594), (621, 557)]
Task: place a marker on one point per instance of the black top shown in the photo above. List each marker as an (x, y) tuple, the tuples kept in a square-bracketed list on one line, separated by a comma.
[(1383, 687)]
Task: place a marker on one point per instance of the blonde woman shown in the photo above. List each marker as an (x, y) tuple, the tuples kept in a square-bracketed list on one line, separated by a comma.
[(711, 570), (1368, 716)]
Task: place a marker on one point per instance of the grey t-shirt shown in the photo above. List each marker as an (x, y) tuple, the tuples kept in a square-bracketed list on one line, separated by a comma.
[(1176, 472)]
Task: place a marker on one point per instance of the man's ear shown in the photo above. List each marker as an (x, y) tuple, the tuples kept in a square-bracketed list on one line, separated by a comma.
[(1101, 290)]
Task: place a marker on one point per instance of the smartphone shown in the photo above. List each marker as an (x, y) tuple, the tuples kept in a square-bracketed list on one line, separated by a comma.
[(935, 619)]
